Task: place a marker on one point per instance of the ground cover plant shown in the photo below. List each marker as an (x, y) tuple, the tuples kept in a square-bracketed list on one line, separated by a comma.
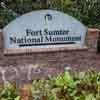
[(83, 86), (78, 86), (9, 92)]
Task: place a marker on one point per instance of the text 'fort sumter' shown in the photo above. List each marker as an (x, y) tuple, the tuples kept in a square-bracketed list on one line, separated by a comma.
[(45, 37)]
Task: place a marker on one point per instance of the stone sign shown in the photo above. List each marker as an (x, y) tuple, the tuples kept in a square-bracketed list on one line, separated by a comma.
[(44, 29), (41, 31)]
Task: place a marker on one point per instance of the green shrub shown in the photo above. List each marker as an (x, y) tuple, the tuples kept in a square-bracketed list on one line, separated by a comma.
[(9, 92), (83, 86), (80, 86), (87, 11)]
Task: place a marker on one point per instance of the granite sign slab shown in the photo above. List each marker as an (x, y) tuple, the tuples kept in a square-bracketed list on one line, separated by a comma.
[(44, 29)]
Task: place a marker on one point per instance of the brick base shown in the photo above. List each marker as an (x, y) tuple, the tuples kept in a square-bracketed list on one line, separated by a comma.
[(23, 68)]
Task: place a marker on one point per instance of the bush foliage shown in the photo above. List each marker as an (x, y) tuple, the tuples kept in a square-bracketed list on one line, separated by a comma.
[(86, 11), (82, 86)]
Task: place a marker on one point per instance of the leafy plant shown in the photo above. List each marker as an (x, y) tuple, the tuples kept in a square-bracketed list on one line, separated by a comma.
[(9, 93), (83, 86), (86, 11), (80, 86)]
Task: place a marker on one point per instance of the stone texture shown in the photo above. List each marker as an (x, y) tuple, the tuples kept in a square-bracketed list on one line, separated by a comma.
[(11, 74), (1, 80)]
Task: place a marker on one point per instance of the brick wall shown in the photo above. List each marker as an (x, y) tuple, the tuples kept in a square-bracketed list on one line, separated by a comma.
[(23, 68)]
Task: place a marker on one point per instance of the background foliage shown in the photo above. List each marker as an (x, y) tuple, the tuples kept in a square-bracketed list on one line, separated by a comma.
[(80, 86), (87, 11)]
